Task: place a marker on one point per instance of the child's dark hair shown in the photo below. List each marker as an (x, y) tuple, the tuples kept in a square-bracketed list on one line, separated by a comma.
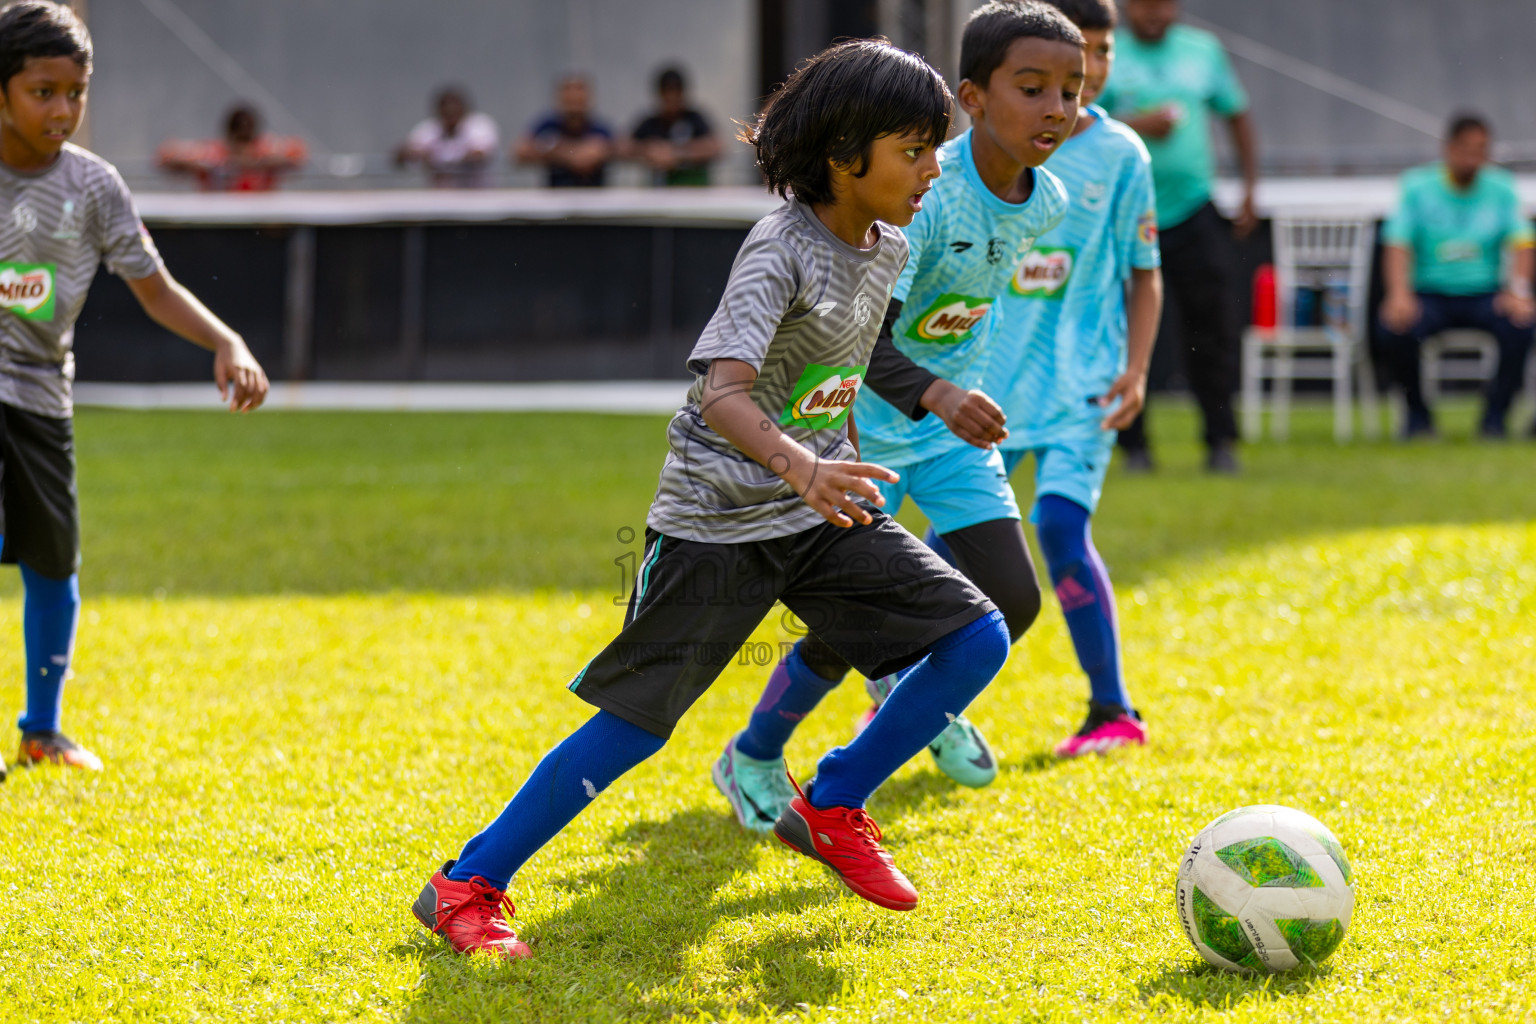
[(1464, 122), (1092, 15), (40, 28), (994, 27), (835, 105), (671, 78)]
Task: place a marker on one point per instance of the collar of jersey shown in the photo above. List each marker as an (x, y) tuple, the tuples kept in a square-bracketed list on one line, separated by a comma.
[(851, 252), (973, 178)]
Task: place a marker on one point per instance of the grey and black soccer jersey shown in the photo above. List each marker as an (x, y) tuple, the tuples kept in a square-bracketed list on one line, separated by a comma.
[(804, 308), (56, 227)]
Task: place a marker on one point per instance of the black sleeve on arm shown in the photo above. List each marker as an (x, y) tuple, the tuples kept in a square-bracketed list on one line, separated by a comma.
[(894, 376)]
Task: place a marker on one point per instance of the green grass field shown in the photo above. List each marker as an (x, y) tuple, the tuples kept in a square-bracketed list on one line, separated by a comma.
[(319, 651)]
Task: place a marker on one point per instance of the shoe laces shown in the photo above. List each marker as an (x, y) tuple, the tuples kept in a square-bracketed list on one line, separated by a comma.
[(863, 825), (486, 900)]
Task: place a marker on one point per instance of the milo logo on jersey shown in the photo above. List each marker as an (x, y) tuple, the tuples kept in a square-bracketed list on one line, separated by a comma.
[(26, 289), (1044, 273), (950, 319), (822, 397)]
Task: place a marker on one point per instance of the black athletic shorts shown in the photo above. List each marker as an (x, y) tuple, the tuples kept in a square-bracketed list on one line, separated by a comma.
[(876, 594), (39, 509)]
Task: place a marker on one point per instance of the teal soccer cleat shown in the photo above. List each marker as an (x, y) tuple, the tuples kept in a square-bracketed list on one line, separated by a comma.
[(758, 791), (960, 751)]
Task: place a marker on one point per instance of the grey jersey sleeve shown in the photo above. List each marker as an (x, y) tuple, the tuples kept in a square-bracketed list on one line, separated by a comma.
[(126, 247), (763, 287)]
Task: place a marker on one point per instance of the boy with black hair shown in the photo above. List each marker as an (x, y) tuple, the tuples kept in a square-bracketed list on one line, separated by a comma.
[(760, 500), (1069, 367), (63, 211), (1022, 66)]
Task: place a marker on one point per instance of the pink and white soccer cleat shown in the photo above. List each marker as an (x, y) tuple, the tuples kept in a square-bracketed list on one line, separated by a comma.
[(1107, 726)]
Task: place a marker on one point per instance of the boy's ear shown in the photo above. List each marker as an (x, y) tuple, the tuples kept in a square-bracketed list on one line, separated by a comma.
[(971, 97)]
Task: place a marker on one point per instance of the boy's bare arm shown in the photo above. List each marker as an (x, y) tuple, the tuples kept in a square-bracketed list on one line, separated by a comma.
[(1143, 309), (239, 376), (824, 484)]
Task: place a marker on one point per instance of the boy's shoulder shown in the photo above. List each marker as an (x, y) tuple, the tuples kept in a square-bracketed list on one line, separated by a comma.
[(1120, 138), (80, 168), (1051, 192), (1193, 40), (1415, 179)]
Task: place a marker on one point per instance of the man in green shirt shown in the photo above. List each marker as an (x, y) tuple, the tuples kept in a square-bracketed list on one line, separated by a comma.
[(1443, 255), (1169, 80)]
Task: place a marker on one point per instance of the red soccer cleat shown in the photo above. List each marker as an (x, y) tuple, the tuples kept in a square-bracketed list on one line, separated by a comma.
[(469, 915), (847, 840), (56, 748)]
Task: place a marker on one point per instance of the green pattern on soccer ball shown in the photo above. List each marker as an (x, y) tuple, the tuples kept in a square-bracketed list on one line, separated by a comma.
[(1311, 941), (1223, 933), (1337, 853), (1268, 863)]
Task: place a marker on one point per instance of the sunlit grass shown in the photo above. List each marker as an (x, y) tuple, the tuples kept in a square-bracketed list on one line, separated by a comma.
[(1346, 631)]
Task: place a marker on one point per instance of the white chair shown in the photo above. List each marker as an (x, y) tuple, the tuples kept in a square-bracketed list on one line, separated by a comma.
[(1456, 355), (1334, 253)]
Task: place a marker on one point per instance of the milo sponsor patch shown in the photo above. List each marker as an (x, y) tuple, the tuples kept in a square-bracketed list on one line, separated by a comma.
[(26, 289), (1044, 273), (822, 397), (950, 319)]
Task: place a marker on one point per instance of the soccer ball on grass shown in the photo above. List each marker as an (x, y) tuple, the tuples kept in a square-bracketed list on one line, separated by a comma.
[(1265, 889)]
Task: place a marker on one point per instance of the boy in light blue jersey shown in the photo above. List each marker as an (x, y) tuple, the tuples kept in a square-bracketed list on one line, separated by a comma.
[(1022, 67), (1074, 338)]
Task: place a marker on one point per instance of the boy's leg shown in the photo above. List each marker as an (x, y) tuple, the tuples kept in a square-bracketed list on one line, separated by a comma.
[(42, 533), (1401, 354), (1070, 480), (884, 601), (693, 607), (750, 771), (562, 785)]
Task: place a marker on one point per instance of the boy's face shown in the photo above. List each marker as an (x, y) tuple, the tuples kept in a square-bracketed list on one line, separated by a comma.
[(901, 170), (41, 105), (1150, 20), (1098, 60), (1030, 103)]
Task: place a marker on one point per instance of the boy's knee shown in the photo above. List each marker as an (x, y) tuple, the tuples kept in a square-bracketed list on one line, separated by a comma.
[(1020, 607), (989, 645), (65, 589)]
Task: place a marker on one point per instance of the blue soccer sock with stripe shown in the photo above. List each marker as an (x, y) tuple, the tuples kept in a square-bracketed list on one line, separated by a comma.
[(923, 703), (1083, 588), (562, 785), (793, 692), (50, 613)]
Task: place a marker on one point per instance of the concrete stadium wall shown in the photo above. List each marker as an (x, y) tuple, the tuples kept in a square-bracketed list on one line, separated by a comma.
[(1433, 56), (355, 75)]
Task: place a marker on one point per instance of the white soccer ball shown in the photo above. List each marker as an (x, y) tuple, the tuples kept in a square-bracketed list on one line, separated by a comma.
[(1265, 889)]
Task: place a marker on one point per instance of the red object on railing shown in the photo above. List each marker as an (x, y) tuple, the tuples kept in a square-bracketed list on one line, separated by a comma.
[(1264, 305)]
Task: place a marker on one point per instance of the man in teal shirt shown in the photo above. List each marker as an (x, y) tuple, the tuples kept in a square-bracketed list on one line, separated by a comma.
[(1443, 254), (1169, 80)]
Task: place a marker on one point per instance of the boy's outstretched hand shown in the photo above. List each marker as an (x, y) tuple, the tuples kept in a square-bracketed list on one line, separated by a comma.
[(831, 487), (971, 416), (1131, 389), (241, 380)]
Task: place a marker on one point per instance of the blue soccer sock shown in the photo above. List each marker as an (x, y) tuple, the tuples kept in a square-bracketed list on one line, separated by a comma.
[(1087, 599), (568, 779), (936, 543), (924, 702), (793, 692), (50, 612)]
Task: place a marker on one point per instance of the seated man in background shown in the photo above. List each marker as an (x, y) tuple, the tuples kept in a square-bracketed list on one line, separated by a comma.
[(1442, 257), (244, 160), (569, 141), (675, 141), (456, 145)]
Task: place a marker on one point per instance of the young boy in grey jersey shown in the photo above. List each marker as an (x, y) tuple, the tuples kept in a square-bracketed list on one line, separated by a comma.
[(63, 212), (760, 500)]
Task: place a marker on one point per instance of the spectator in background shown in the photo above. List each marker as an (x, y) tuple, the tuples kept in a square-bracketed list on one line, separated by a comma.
[(570, 142), (675, 142), (244, 160), (456, 145), (1442, 257), (1168, 80)]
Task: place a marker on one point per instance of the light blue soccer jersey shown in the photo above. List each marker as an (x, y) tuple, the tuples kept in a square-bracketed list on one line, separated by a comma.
[(964, 245), (1060, 336)]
